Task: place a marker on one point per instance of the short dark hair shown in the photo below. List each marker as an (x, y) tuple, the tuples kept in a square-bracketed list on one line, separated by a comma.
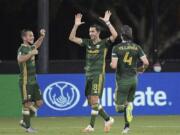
[(98, 28), (24, 31), (126, 32)]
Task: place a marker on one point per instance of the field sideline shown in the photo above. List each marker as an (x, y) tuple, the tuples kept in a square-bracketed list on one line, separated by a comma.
[(142, 125)]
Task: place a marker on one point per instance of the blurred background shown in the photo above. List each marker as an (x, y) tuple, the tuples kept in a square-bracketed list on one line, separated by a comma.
[(155, 26)]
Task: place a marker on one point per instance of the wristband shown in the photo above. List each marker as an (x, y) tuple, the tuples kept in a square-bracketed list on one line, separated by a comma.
[(108, 23)]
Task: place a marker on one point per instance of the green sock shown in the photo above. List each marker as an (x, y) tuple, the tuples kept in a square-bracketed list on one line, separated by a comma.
[(94, 113), (33, 110), (32, 113), (125, 117), (26, 118), (103, 114)]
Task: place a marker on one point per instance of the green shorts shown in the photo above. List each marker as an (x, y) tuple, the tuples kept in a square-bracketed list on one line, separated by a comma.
[(30, 92), (125, 93), (94, 85)]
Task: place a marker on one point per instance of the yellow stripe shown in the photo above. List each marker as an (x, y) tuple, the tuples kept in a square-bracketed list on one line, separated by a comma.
[(116, 90), (100, 82), (24, 81), (104, 60), (116, 85)]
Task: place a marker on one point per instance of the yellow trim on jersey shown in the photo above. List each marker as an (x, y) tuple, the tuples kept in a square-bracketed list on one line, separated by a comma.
[(100, 82), (104, 60), (24, 81), (116, 90)]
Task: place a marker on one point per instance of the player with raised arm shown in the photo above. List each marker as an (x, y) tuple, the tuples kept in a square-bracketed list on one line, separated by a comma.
[(30, 92), (125, 56), (96, 49)]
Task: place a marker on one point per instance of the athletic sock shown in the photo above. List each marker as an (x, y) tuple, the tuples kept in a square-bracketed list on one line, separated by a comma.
[(125, 119), (32, 113), (126, 125), (33, 110), (94, 113), (26, 117), (103, 114)]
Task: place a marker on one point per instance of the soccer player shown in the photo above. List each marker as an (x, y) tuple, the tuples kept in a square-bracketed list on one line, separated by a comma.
[(96, 49), (124, 59), (30, 92)]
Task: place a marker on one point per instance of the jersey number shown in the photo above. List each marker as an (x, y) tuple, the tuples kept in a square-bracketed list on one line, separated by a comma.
[(127, 59), (95, 87)]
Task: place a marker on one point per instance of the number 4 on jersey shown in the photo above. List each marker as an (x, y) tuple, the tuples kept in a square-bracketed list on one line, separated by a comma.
[(127, 59)]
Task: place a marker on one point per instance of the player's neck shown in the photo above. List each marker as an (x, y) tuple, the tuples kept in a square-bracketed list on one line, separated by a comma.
[(96, 40), (26, 43)]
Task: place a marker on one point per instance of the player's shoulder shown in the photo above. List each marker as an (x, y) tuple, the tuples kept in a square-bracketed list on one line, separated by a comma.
[(86, 40), (135, 45), (20, 50), (21, 47), (107, 41), (118, 45), (138, 46)]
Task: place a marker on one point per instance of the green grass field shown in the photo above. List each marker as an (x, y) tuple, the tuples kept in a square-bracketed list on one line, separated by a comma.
[(148, 125)]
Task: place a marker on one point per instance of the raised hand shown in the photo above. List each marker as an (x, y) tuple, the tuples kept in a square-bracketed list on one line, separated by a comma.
[(106, 17), (43, 32), (78, 18)]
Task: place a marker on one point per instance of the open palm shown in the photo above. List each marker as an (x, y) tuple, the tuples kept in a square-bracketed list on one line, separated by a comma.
[(106, 17), (78, 18)]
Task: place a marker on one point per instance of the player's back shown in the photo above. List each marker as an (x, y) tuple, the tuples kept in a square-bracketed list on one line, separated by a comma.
[(128, 54)]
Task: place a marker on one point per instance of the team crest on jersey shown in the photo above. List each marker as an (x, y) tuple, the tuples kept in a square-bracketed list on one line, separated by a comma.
[(98, 46)]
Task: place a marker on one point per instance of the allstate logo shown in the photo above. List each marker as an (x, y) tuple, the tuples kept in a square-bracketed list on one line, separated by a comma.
[(61, 95)]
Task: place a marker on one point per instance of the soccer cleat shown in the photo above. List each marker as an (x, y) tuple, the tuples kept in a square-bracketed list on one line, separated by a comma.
[(129, 113), (31, 130), (125, 130), (108, 124), (22, 124), (88, 129)]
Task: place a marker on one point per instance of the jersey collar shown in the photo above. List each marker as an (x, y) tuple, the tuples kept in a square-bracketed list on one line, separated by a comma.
[(25, 45), (126, 41)]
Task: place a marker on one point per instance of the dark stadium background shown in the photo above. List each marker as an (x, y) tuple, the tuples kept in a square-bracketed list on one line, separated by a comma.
[(161, 19)]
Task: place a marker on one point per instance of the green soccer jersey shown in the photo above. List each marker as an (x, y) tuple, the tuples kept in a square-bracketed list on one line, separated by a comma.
[(95, 56), (27, 69), (128, 54)]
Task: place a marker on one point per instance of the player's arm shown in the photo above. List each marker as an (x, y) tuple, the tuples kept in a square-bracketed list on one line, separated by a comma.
[(110, 26), (114, 59), (24, 57), (145, 64), (113, 63), (77, 23), (144, 60), (39, 41)]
